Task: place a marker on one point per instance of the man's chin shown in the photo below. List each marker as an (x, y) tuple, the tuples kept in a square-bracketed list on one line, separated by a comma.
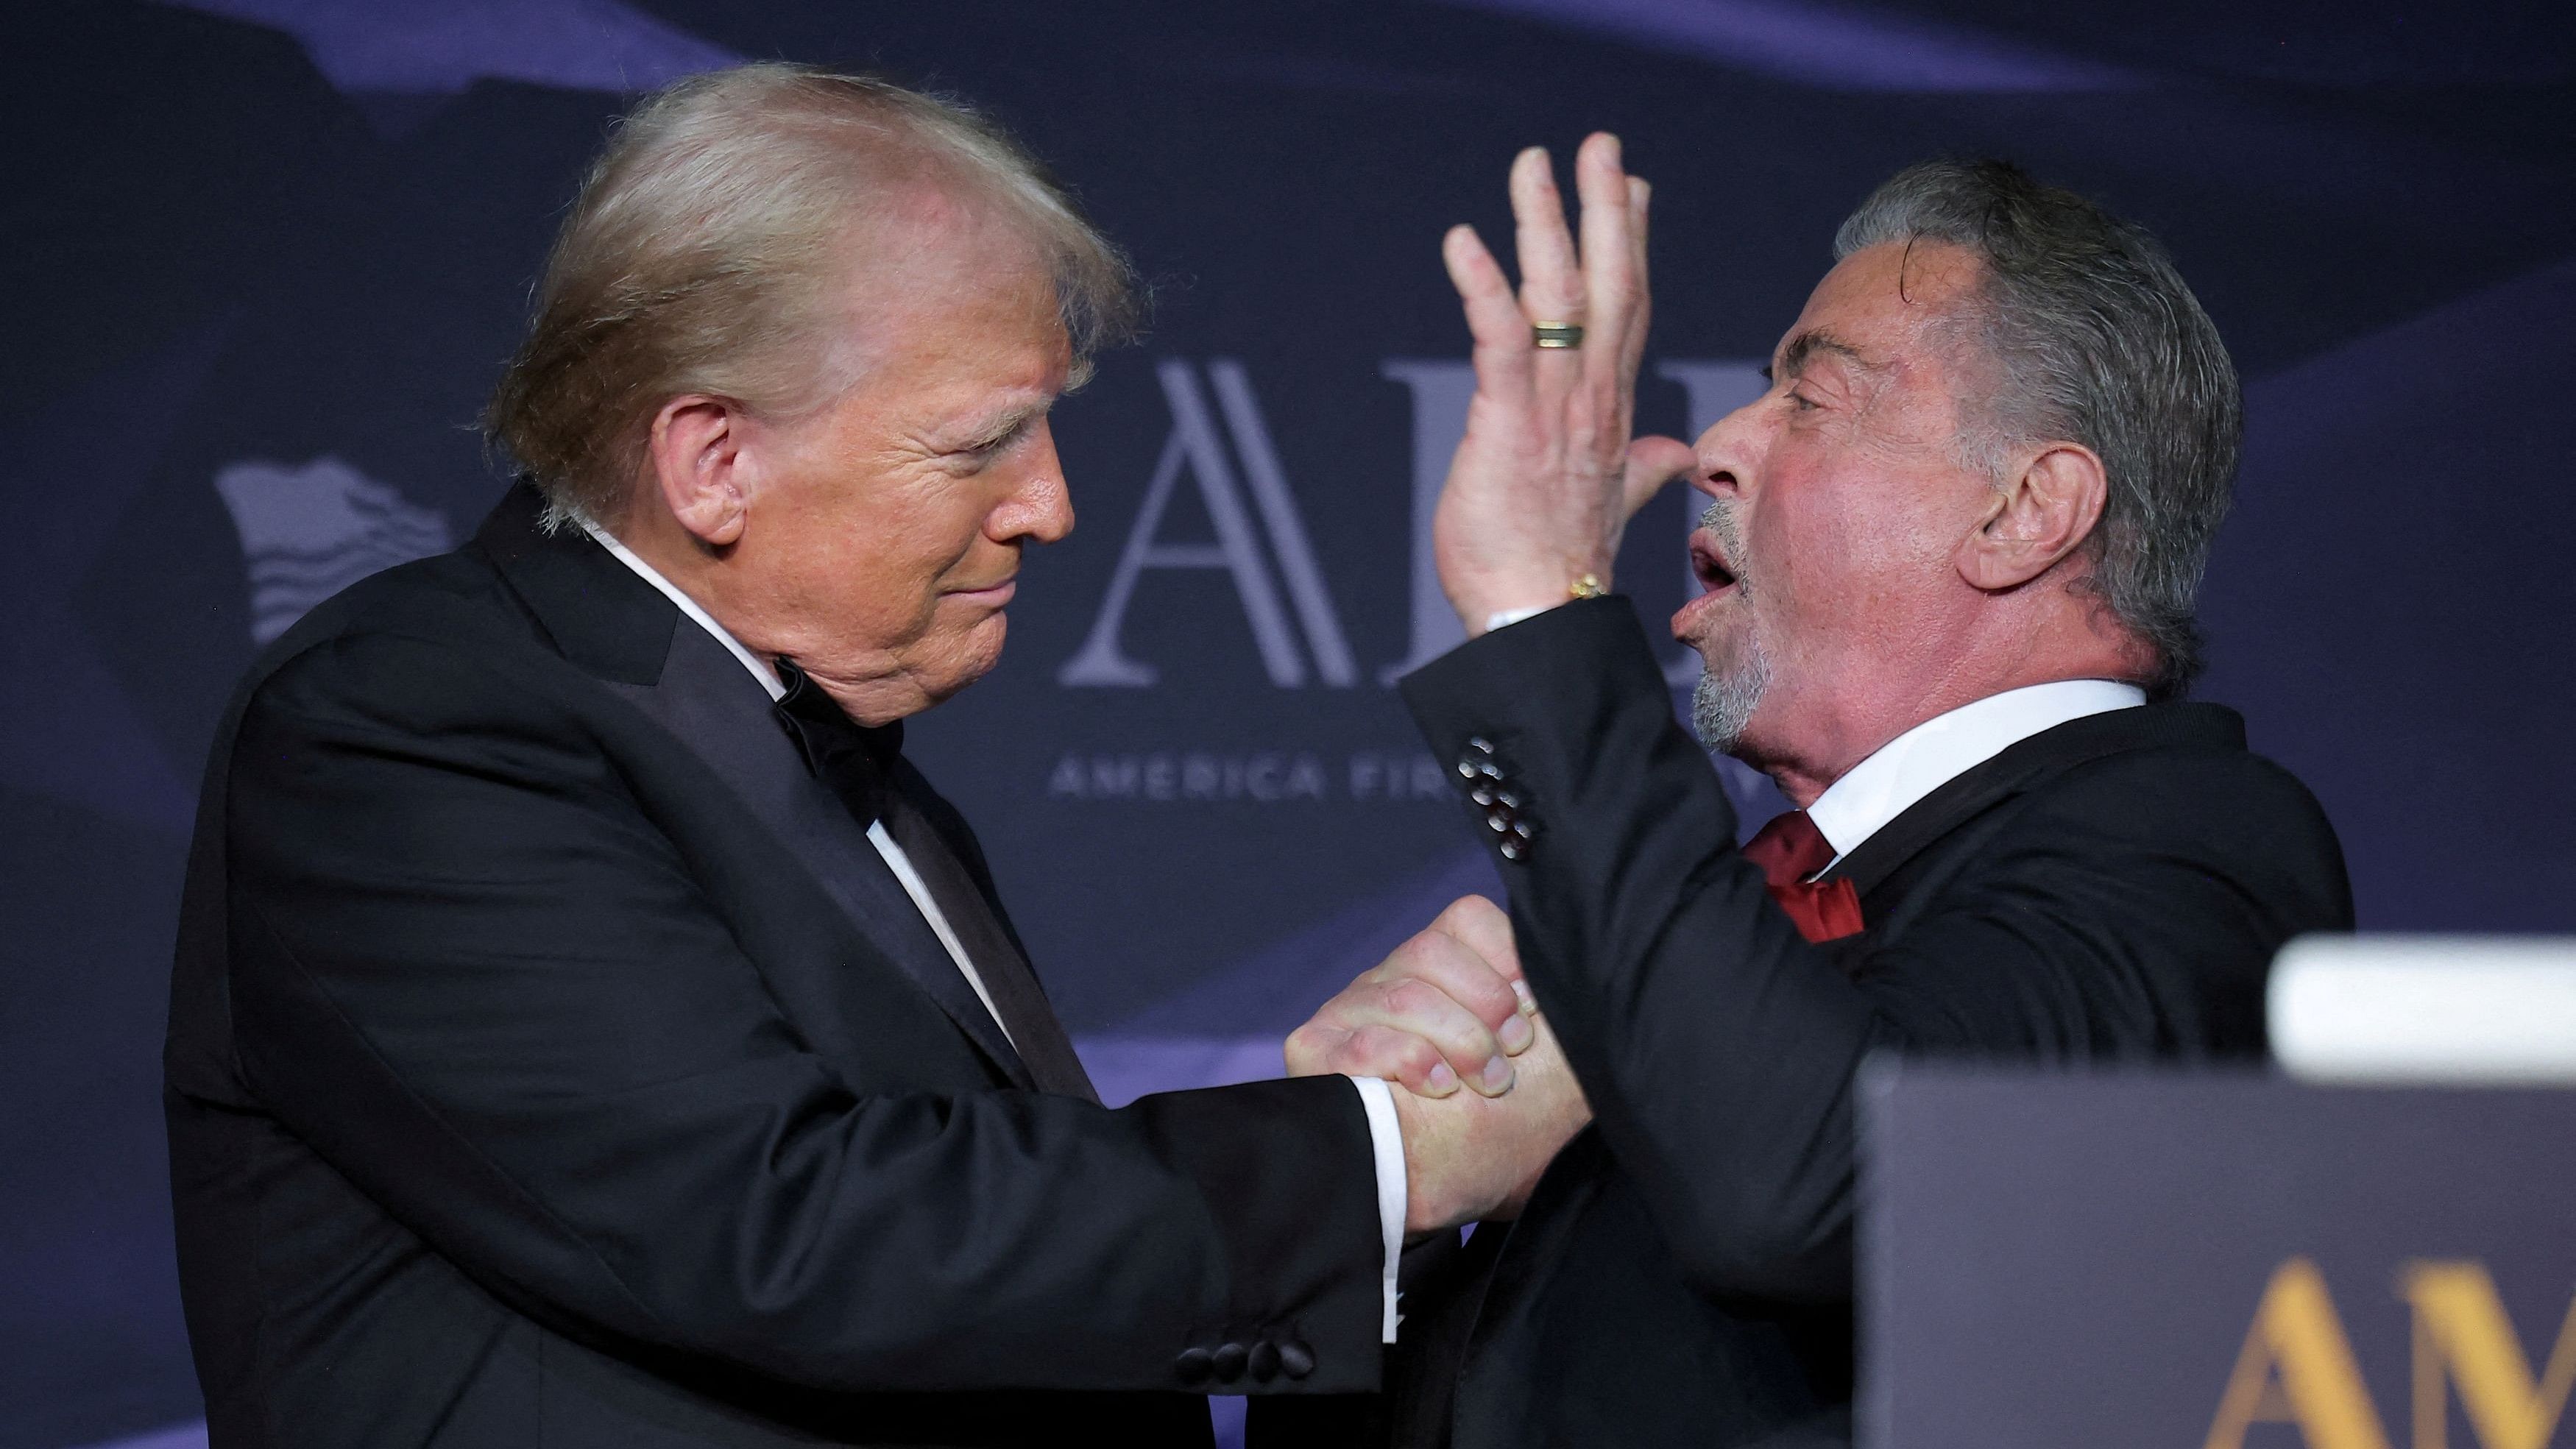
[(1730, 689), (973, 655)]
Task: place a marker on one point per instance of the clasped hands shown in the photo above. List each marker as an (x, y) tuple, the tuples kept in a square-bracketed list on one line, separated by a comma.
[(1487, 1096)]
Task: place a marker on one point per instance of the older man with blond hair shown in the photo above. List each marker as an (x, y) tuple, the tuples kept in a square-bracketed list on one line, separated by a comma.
[(589, 1029)]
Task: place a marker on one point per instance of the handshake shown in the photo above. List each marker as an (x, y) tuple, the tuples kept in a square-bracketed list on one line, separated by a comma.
[(1488, 1097)]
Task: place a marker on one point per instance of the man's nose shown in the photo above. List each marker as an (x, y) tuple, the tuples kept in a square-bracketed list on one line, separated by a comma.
[(1040, 506), (1723, 453)]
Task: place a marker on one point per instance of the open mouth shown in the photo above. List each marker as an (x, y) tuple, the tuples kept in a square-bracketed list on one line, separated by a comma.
[(1709, 565), (1717, 581)]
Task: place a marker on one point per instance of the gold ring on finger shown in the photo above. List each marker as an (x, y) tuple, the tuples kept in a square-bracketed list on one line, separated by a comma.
[(1557, 336)]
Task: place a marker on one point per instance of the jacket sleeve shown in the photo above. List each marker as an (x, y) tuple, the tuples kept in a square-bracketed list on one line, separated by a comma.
[(1718, 1047), (472, 974)]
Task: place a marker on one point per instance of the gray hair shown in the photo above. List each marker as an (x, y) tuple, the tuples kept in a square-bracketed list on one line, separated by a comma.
[(701, 255), (2097, 341)]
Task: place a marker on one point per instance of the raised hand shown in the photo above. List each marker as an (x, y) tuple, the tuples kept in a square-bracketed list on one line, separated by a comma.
[(1545, 480)]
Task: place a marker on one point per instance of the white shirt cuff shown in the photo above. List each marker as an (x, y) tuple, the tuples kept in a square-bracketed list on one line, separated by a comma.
[(1502, 617), (1386, 1140)]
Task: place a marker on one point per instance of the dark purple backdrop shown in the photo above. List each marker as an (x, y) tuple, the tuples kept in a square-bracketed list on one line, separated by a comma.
[(267, 254)]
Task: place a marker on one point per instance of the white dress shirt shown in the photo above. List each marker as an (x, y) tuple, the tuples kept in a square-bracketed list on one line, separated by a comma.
[(1946, 746), (1377, 1099)]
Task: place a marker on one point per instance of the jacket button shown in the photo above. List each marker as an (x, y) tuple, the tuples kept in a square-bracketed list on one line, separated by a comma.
[(1194, 1365), (1264, 1363), (1228, 1362), (1296, 1360)]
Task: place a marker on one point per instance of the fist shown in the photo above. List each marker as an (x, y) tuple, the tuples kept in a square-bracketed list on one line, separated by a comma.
[(1447, 1009)]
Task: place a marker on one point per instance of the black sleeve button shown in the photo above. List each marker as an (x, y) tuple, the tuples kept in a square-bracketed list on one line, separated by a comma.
[(1296, 1360), (1194, 1365), (1229, 1362), (1264, 1363)]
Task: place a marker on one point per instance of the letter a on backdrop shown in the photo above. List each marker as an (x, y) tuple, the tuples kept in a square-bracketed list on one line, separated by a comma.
[(1196, 447)]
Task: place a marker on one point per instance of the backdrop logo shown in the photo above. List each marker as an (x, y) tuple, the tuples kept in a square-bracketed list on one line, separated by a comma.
[(2297, 1366), (309, 532), (1249, 504), (1195, 449)]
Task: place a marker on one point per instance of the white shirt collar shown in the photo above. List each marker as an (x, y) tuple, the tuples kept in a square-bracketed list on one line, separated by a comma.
[(759, 667), (1944, 747)]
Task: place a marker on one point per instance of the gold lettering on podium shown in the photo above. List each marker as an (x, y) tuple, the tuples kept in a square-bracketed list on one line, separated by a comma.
[(2297, 1367), (2462, 1334)]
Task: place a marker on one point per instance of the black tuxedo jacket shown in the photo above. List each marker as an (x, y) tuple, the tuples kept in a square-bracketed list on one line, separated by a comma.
[(553, 1062), (2111, 888)]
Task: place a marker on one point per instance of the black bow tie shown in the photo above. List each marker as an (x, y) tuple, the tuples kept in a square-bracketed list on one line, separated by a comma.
[(857, 764), (856, 760)]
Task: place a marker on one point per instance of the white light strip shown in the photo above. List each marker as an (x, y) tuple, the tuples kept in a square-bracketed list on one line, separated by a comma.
[(2462, 1010)]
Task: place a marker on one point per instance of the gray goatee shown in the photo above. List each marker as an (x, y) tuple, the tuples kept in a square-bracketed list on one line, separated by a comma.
[(1723, 703)]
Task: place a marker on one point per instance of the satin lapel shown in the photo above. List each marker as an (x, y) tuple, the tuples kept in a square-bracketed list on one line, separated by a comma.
[(1935, 816), (707, 700), (622, 631)]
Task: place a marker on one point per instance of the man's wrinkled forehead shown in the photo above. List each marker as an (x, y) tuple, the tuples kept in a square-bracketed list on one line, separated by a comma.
[(1875, 313)]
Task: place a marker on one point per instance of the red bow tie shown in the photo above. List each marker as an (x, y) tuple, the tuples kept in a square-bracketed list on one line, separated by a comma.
[(1790, 849)]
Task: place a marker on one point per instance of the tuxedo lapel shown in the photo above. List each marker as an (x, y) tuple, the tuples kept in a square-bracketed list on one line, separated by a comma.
[(713, 705), (608, 620)]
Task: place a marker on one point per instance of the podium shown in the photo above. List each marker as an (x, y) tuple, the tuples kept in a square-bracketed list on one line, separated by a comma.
[(2208, 1260)]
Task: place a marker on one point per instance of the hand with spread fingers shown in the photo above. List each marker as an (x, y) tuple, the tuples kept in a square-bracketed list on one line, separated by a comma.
[(1545, 480), (1489, 1097)]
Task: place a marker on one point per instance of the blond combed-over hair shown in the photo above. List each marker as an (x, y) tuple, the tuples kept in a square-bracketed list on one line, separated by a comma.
[(704, 250)]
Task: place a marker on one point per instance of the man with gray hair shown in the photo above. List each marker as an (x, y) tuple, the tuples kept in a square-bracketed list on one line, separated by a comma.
[(1949, 559), (588, 1029)]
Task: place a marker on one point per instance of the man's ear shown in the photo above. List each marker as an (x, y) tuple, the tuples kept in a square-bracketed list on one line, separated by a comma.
[(700, 462), (2044, 512)]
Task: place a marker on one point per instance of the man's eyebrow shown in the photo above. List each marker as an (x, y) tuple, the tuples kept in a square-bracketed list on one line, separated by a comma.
[(1804, 347), (1004, 422)]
